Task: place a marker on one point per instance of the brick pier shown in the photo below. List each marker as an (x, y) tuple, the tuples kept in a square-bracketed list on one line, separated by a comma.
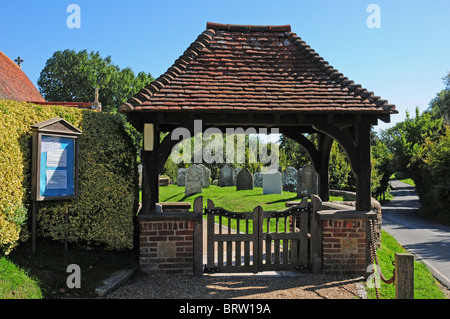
[(345, 241), (166, 242)]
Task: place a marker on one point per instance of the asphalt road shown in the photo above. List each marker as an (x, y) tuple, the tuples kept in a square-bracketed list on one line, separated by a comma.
[(428, 241)]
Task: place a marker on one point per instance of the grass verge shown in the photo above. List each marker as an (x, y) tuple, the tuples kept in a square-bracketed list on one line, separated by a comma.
[(16, 283), (50, 263), (408, 181), (425, 285)]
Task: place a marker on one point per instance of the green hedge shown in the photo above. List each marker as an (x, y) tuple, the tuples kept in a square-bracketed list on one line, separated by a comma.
[(108, 180)]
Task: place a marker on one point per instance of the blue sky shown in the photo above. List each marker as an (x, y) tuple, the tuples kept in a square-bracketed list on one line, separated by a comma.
[(403, 61)]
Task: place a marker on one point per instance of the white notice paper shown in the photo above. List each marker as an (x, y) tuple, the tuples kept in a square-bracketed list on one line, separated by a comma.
[(56, 179), (57, 158), (50, 143)]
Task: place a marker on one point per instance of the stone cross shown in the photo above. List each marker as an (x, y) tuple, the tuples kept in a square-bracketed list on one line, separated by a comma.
[(96, 105)]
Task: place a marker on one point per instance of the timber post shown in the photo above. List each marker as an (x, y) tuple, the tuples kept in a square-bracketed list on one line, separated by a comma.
[(404, 276)]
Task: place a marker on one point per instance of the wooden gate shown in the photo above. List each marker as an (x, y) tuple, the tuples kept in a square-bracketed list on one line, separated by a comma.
[(257, 241)]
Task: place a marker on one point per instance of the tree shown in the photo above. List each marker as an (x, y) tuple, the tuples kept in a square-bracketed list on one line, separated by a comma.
[(71, 76), (292, 153), (440, 105), (432, 176)]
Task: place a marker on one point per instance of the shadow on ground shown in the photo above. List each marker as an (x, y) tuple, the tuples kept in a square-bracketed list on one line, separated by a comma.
[(306, 286)]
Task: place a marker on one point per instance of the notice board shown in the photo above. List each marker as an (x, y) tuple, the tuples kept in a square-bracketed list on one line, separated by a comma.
[(57, 166), (55, 160)]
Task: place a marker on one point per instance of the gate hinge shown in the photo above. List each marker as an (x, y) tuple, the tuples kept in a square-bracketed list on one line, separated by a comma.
[(211, 270), (301, 267)]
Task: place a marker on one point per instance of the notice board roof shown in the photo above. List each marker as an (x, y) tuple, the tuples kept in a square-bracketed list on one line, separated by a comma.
[(56, 125)]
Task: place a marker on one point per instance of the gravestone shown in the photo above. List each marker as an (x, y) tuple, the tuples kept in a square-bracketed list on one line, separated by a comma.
[(257, 179), (215, 182), (235, 174), (289, 178), (226, 176), (272, 182), (206, 176), (308, 182), (181, 176), (164, 181), (244, 180), (193, 183)]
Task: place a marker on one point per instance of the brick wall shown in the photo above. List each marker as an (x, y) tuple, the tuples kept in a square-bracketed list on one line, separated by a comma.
[(166, 246), (344, 246)]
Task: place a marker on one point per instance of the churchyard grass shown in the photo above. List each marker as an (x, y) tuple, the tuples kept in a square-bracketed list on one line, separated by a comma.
[(231, 199), (236, 201)]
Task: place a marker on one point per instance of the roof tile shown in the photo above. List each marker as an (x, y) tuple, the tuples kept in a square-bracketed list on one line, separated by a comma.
[(257, 68), (14, 84)]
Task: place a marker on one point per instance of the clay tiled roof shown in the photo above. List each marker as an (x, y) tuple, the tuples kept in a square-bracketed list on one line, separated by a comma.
[(254, 68), (14, 84)]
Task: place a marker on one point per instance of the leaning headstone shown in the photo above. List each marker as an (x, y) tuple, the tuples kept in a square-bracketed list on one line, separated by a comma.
[(226, 176), (181, 176), (235, 174), (206, 176), (193, 183), (244, 180), (289, 178), (308, 182), (257, 179), (272, 182)]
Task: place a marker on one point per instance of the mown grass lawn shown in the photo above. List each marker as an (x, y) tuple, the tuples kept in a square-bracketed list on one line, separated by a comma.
[(231, 199), (236, 201)]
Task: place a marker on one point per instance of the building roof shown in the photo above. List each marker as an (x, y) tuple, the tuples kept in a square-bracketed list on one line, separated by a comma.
[(254, 68), (14, 83)]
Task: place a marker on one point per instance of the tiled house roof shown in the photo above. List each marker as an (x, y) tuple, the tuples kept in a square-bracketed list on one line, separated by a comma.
[(254, 68), (14, 84)]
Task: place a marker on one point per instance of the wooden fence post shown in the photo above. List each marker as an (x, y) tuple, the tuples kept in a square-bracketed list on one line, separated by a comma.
[(316, 236), (404, 276), (198, 238)]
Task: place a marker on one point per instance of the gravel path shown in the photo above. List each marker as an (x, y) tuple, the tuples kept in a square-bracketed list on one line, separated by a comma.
[(285, 286)]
